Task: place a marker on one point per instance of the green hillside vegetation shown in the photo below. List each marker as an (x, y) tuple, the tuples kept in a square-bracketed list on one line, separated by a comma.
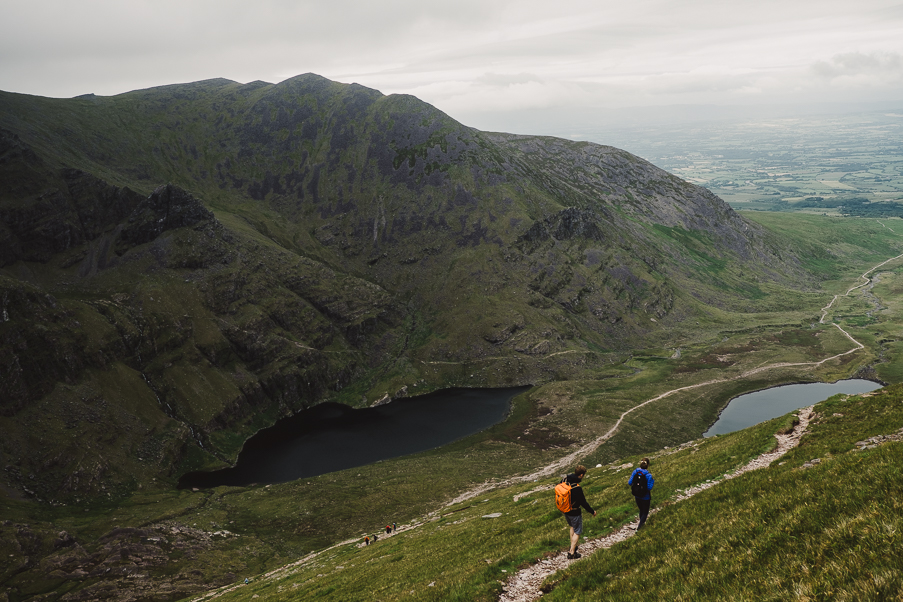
[(319, 241), (182, 266), (825, 531)]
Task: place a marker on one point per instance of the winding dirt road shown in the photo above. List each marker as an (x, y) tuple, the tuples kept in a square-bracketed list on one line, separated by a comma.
[(564, 463)]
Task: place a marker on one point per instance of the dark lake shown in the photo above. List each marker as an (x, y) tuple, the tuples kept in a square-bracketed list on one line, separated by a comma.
[(332, 436), (753, 408)]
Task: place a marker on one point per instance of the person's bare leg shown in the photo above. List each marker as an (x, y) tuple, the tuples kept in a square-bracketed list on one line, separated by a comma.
[(575, 539)]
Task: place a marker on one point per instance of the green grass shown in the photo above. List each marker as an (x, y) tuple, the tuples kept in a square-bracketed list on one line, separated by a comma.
[(852, 242), (830, 532), (771, 534)]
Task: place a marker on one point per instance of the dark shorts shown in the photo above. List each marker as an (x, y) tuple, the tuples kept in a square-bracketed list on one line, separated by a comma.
[(575, 521)]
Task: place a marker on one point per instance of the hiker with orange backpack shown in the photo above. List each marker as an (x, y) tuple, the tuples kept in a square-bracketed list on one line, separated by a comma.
[(569, 499)]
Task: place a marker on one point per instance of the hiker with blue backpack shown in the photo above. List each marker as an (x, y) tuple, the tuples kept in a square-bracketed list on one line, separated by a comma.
[(641, 483), (569, 498)]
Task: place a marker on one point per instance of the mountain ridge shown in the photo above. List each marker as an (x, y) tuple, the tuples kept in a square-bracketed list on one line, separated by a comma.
[(330, 197)]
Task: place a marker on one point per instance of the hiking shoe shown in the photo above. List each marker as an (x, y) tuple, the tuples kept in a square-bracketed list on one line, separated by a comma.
[(574, 556)]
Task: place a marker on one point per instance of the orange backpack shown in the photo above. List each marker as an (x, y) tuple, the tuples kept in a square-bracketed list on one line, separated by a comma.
[(563, 495)]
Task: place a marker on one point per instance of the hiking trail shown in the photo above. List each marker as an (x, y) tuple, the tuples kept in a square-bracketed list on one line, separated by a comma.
[(524, 585)]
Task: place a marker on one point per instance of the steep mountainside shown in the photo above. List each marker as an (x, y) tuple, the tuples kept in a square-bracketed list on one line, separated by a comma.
[(182, 265)]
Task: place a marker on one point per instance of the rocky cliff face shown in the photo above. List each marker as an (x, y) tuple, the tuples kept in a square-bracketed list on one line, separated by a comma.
[(48, 211), (145, 324)]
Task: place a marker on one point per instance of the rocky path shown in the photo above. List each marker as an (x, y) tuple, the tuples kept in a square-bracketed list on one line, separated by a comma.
[(524, 585)]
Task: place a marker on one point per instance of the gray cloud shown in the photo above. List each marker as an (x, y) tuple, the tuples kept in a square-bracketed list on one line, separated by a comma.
[(854, 68)]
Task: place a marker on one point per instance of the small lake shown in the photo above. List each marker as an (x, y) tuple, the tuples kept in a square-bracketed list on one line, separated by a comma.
[(753, 408), (333, 436)]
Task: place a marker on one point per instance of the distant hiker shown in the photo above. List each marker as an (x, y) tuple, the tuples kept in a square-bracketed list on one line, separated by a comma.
[(569, 498), (641, 483), (394, 527), (388, 529), (367, 541)]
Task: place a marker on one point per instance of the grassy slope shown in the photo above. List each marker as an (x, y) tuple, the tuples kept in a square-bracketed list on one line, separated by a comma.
[(283, 522), (827, 532), (830, 250), (831, 531)]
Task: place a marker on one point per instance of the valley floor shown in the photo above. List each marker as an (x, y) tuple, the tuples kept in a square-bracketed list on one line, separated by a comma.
[(495, 528)]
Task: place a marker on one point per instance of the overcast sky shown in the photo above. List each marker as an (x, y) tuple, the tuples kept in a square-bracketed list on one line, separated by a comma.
[(477, 60)]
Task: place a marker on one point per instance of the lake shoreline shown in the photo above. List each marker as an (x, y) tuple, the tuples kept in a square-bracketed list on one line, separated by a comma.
[(721, 413), (336, 436)]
